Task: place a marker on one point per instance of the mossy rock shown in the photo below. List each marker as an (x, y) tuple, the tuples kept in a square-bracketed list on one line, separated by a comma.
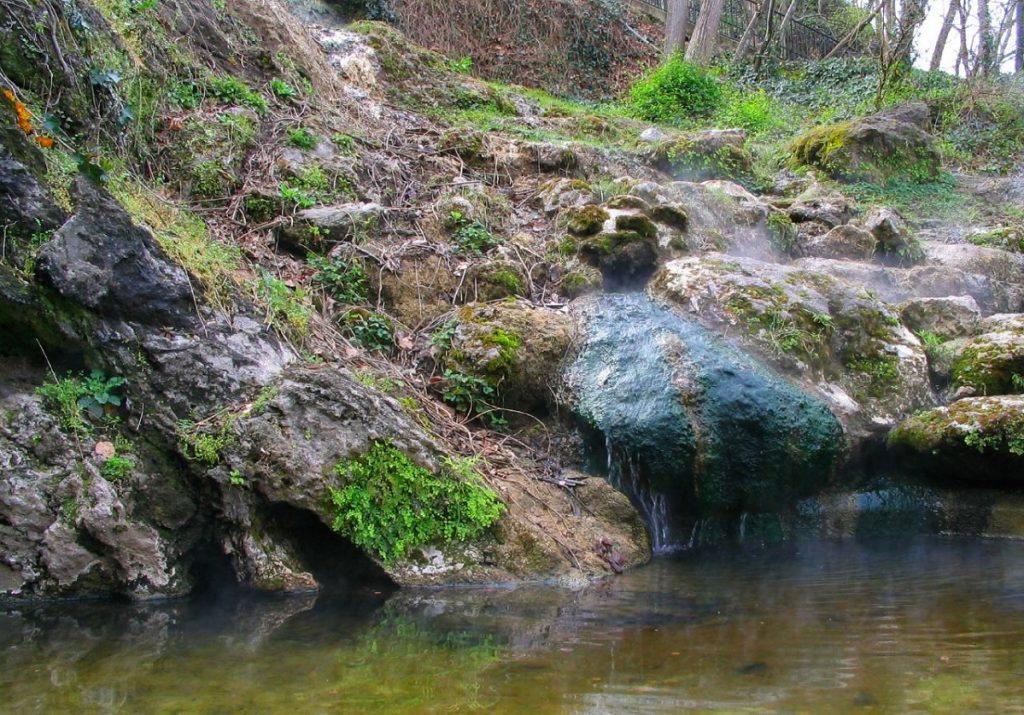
[(979, 440), (876, 149), (671, 215), (585, 220), (712, 154), (515, 346), (992, 363), (495, 280)]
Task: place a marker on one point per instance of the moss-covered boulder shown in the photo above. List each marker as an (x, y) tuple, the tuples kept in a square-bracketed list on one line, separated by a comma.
[(514, 347), (844, 242), (876, 148), (711, 154), (979, 440), (993, 363), (842, 341)]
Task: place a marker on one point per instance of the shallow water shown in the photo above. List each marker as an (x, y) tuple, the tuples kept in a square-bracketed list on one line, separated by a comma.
[(929, 625)]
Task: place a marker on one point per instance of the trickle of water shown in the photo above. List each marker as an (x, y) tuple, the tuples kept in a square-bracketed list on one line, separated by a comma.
[(624, 474)]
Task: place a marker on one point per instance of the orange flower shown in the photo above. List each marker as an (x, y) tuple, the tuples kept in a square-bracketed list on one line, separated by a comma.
[(21, 111), (44, 142)]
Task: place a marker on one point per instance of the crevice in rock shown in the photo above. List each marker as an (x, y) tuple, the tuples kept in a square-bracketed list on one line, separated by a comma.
[(336, 563)]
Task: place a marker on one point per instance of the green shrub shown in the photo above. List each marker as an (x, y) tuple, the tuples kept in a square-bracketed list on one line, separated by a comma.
[(302, 138), (286, 308), (232, 90), (756, 111), (387, 504), (675, 91), (372, 331), (468, 394), (283, 90), (344, 280), (471, 237)]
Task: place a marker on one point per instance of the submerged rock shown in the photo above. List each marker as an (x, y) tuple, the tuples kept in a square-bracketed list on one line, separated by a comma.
[(691, 426)]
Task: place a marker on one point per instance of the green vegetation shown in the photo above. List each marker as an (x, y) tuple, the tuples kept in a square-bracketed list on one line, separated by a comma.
[(372, 331), (302, 138), (387, 504), (471, 237), (675, 91), (287, 309), (283, 90), (468, 394), (344, 280), (75, 399), (783, 232), (204, 442), (231, 90)]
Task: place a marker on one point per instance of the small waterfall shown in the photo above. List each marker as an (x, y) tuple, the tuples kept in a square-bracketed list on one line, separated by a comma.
[(624, 474)]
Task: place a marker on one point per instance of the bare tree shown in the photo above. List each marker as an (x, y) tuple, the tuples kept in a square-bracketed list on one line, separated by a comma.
[(747, 38), (985, 59), (676, 25), (940, 42), (1018, 63), (704, 40)]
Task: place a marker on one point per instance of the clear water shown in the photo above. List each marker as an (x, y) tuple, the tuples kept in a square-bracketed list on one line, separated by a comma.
[(929, 625)]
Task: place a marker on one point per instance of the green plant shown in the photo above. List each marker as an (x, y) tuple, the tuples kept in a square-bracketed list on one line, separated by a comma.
[(345, 142), (934, 344), (1017, 382), (463, 65), (783, 232), (73, 398), (287, 309), (204, 443), (675, 91), (232, 90), (387, 504), (283, 90), (236, 478), (443, 336), (117, 467), (372, 331), (344, 280), (302, 138), (185, 95), (468, 394), (471, 237)]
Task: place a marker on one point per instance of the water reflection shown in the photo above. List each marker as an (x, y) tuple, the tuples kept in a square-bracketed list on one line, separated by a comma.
[(930, 625)]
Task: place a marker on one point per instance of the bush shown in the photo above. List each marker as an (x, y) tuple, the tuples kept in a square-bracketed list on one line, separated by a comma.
[(387, 504), (675, 91)]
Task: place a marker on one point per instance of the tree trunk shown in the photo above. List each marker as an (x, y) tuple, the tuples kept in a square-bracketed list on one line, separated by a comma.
[(986, 48), (743, 47), (1018, 63), (784, 25), (963, 58), (852, 34), (940, 43), (704, 41), (676, 26)]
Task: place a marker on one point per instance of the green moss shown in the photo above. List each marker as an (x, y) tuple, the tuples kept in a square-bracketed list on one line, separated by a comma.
[(670, 215), (881, 370), (1010, 238), (585, 220), (387, 504), (783, 232), (822, 147)]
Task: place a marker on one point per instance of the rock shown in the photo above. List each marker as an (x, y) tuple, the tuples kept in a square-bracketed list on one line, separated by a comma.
[(420, 290), (709, 154), (317, 229), (977, 440), (992, 363), (584, 220), (692, 424), (515, 347), (838, 340), (819, 204), (626, 256), (652, 135), (996, 277), (101, 260), (874, 148), (842, 242), (26, 205), (947, 318), (889, 229), (558, 194)]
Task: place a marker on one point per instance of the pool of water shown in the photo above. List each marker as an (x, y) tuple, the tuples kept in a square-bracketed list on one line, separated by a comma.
[(930, 625)]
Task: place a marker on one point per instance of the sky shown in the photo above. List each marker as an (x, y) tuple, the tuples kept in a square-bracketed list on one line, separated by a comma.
[(929, 32)]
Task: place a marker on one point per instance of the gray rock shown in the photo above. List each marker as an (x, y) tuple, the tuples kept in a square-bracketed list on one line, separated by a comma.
[(948, 317), (653, 135), (317, 229), (889, 229), (842, 242)]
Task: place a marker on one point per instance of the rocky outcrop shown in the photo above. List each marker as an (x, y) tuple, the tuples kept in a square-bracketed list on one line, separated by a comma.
[(992, 363), (977, 441), (838, 339), (875, 148)]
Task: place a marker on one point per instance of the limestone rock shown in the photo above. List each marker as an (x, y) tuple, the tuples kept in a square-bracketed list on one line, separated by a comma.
[(993, 363), (875, 148), (317, 229), (842, 242), (948, 317), (709, 154), (977, 440)]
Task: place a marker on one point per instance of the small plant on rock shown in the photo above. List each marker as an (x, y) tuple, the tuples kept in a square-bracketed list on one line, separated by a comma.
[(372, 331), (75, 398), (344, 280)]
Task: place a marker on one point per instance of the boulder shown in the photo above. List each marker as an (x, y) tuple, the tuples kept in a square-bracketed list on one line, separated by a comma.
[(317, 229), (874, 148), (992, 363), (515, 347), (842, 342), (842, 242), (946, 318), (709, 154), (889, 229), (978, 441)]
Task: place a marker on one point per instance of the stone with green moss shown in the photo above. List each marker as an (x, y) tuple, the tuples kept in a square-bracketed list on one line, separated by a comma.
[(992, 363), (585, 220), (978, 440), (873, 149)]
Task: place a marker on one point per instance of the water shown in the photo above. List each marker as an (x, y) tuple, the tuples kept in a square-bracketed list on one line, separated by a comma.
[(928, 625)]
